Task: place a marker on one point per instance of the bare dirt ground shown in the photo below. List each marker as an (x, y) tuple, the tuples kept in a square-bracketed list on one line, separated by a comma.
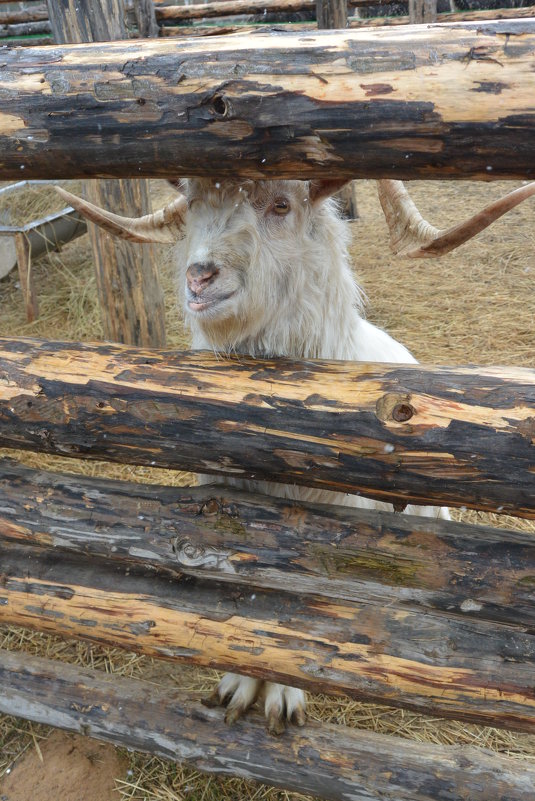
[(66, 767), (476, 306)]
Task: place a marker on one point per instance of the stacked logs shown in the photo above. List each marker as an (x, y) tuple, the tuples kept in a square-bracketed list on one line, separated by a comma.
[(425, 614), (31, 26)]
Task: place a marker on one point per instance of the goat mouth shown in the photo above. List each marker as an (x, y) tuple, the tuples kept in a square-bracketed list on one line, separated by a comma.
[(196, 304)]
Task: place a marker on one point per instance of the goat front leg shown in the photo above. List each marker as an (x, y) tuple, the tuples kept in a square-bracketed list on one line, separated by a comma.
[(239, 693)]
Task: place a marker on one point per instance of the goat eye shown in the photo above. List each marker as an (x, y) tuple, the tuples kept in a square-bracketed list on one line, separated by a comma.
[(281, 207)]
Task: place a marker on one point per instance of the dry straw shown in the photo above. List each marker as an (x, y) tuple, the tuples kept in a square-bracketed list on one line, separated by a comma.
[(476, 305)]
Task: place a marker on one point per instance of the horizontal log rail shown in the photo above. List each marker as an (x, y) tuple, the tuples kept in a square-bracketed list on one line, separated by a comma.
[(223, 8), (448, 16), (218, 533), (30, 14), (476, 671), (329, 761), (24, 29), (399, 433), (225, 26), (29, 41), (220, 8), (397, 103)]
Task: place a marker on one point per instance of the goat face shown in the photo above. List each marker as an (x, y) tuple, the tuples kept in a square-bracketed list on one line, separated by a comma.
[(240, 255)]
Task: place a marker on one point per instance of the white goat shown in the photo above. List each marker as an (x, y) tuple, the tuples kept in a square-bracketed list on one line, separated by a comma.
[(264, 270)]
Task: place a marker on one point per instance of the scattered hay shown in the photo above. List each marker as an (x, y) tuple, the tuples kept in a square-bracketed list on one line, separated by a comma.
[(473, 306), (476, 305), (32, 202)]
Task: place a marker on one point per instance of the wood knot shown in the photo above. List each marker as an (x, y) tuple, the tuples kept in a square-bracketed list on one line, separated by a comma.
[(220, 106), (402, 412), (395, 406), (195, 555), (211, 507)]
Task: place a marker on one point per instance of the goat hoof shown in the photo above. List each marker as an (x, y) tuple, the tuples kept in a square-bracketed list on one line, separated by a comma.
[(283, 704), (234, 713), (275, 725), (235, 692), (211, 700), (298, 717)]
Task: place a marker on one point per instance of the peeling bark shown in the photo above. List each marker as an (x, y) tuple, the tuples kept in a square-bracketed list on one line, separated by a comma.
[(333, 762), (397, 103), (470, 670), (218, 533), (399, 433)]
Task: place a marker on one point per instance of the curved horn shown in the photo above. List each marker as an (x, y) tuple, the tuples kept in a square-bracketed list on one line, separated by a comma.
[(412, 236), (163, 226)]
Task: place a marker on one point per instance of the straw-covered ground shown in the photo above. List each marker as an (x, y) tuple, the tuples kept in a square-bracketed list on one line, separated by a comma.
[(476, 305)]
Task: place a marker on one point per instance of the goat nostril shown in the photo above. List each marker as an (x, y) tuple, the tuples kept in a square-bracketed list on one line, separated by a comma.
[(200, 274)]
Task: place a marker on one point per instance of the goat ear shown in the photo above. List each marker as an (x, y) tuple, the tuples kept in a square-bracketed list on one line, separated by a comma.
[(319, 190)]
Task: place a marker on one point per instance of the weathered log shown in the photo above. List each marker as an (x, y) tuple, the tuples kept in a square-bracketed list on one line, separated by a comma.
[(23, 251), (24, 29), (220, 8), (30, 14), (130, 297), (300, 105), (422, 11), (33, 41), (331, 14), (400, 433), (447, 16), (471, 670), (146, 18), (75, 21), (216, 29), (170, 10), (353, 22), (333, 762), (413, 563)]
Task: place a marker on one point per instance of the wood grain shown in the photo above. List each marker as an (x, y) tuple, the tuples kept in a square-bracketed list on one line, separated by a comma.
[(218, 533), (33, 13), (399, 433), (471, 670), (402, 103), (353, 22), (129, 292), (333, 762)]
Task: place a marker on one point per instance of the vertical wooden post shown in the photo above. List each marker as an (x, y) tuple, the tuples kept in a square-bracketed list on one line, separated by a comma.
[(333, 14), (422, 11), (24, 264), (130, 296), (146, 19)]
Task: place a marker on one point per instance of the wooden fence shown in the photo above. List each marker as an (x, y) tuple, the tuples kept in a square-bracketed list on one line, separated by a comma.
[(429, 615), (289, 106), (29, 25)]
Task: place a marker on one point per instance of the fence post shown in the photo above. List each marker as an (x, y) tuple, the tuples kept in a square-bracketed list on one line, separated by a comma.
[(333, 14), (422, 11), (145, 14), (130, 296)]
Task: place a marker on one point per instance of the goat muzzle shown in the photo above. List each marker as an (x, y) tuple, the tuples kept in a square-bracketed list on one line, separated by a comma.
[(200, 275)]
